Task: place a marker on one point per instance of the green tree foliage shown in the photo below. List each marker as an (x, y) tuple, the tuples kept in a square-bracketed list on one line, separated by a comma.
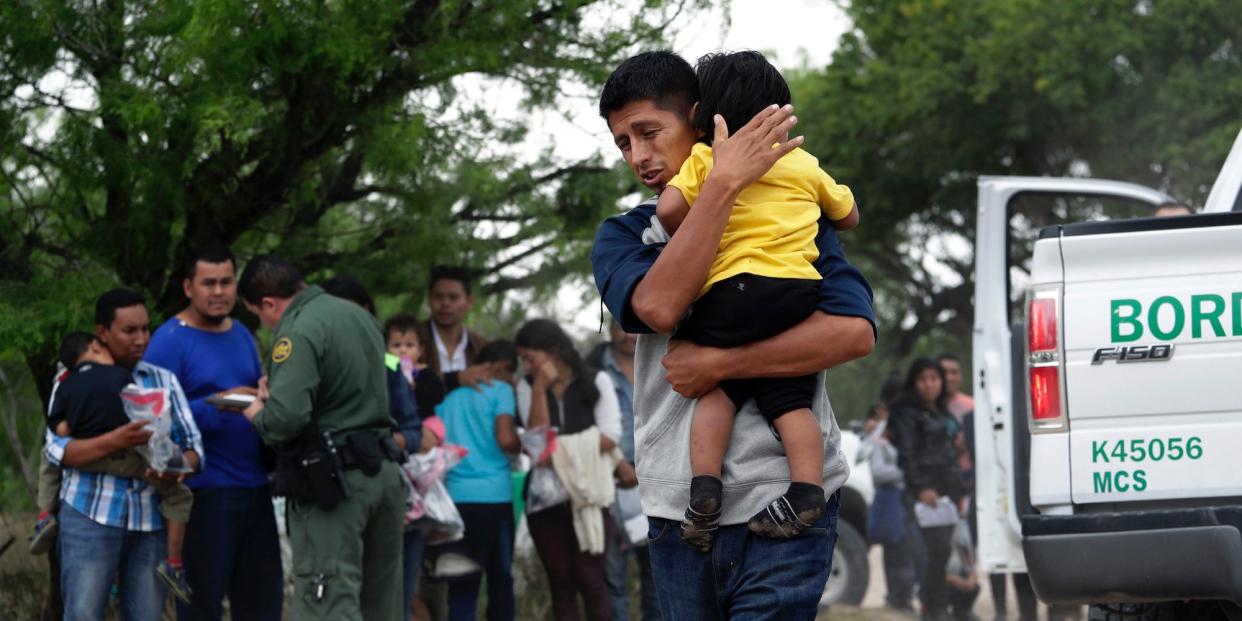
[(923, 96), (350, 136)]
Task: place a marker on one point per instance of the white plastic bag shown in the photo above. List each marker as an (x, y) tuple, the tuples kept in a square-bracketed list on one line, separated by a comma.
[(151, 405), (429, 507), (543, 487)]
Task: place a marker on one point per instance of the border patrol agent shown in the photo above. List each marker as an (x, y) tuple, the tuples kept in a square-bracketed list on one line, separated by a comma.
[(325, 411)]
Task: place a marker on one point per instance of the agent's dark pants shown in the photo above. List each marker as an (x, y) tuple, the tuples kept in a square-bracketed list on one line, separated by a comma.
[(570, 571)]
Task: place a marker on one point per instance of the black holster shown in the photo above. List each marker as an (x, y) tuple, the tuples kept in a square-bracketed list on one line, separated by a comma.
[(309, 471), (367, 450)]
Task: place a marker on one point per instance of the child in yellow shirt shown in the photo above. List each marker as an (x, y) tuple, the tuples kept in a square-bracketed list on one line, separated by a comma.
[(761, 283)]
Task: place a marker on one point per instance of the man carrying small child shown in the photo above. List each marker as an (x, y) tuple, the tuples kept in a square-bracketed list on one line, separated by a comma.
[(761, 283), (109, 524), (88, 404)]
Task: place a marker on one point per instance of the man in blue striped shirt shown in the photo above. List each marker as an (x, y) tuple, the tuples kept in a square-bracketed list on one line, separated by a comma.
[(109, 523)]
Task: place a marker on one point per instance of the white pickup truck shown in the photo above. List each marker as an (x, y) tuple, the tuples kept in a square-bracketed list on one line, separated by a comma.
[(1108, 394)]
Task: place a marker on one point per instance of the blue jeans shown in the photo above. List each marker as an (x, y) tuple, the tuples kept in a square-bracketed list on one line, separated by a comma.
[(744, 577), (94, 556), (231, 548), (618, 565)]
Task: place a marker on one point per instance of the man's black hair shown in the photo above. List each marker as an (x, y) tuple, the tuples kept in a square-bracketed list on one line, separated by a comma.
[(948, 356), (737, 86), (401, 322), (269, 276), (455, 273), (207, 254), (498, 351), (661, 76), (73, 346), (352, 289), (106, 305)]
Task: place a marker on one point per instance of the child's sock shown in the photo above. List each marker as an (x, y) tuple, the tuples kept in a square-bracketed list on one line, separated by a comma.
[(698, 530), (705, 494), (43, 515), (174, 561), (790, 514)]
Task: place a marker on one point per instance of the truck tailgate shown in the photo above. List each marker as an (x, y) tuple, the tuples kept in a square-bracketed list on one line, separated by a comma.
[(1153, 358)]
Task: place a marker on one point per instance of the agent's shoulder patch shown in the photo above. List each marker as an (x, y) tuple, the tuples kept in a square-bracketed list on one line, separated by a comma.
[(282, 350)]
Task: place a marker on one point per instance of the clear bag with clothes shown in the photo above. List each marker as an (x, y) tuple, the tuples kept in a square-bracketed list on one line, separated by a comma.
[(543, 487), (151, 405), (429, 507)]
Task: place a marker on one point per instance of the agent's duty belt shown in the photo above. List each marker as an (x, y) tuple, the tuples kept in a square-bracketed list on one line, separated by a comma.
[(367, 450)]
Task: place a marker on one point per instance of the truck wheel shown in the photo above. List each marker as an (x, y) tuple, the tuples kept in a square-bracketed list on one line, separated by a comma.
[(1164, 611), (850, 569)]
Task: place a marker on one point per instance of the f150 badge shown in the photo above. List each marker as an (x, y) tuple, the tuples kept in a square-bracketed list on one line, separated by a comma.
[(1133, 353)]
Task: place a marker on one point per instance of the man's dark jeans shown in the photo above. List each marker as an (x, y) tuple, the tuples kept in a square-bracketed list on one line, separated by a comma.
[(231, 548), (745, 576)]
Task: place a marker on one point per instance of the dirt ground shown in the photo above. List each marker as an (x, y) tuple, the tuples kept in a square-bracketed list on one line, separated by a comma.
[(873, 604)]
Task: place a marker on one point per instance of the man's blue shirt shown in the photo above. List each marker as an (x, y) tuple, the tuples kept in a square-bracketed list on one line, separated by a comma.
[(206, 363)]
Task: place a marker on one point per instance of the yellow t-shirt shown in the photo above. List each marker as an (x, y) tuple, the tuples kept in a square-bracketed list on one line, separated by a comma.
[(773, 226)]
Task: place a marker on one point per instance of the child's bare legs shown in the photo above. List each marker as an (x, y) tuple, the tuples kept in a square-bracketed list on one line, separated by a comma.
[(709, 433), (176, 541), (803, 503), (804, 446), (709, 439)]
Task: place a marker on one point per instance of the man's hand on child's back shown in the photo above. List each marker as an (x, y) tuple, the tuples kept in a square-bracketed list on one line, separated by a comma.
[(475, 376), (693, 370), (747, 155)]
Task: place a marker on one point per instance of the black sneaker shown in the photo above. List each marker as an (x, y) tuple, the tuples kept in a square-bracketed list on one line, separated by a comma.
[(174, 578), (779, 520), (698, 530), (43, 537)]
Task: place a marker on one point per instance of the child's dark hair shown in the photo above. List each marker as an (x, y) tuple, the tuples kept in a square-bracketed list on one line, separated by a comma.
[(660, 76), (498, 351), (73, 346), (737, 86), (403, 323)]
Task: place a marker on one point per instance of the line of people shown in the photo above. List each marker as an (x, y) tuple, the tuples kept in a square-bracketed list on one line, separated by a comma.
[(919, 445), (206, 530)]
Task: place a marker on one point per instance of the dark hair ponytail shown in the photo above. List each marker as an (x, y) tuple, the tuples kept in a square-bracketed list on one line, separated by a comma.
[(545, 335)]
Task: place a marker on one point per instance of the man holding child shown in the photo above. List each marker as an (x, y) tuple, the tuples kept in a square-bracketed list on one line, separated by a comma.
[(648, 281)]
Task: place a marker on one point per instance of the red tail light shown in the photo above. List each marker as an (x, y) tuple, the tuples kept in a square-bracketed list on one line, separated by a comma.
[(1045, 393), (1042, 325), (1043, 362)]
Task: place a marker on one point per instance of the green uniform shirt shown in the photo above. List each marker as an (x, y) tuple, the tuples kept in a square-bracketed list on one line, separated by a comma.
[(328, 359)]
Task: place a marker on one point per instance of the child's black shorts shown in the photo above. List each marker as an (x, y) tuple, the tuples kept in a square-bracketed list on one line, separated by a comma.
[(747, 308)]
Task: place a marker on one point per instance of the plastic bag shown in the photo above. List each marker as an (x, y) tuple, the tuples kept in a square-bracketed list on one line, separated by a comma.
[(539, 443), (151, 405), (429, 507), (543, 487)]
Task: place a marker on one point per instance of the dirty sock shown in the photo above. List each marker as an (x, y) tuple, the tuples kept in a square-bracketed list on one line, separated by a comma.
[(790, 514), (698, 529)]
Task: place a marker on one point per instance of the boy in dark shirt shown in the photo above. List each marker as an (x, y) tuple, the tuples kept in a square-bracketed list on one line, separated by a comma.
[(88, 404)]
